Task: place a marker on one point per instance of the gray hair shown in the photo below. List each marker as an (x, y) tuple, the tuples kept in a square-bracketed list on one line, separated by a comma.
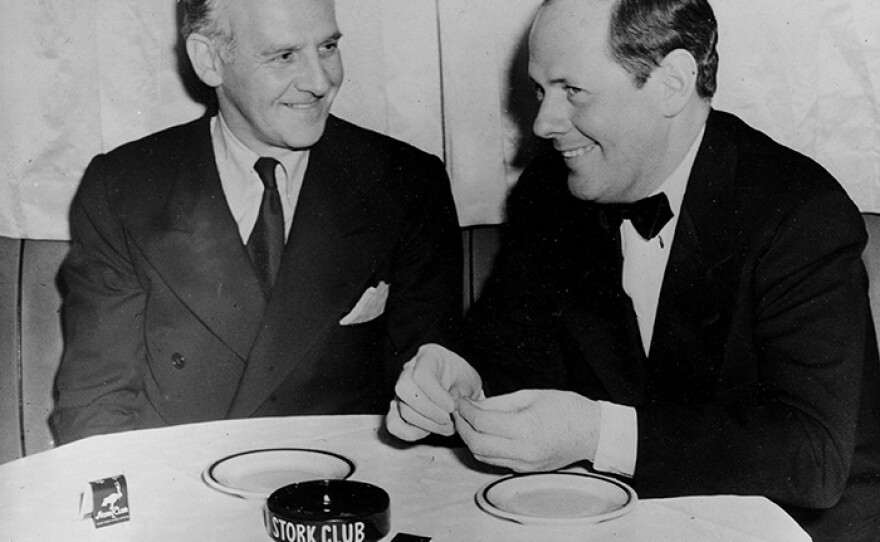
[(204, 17)]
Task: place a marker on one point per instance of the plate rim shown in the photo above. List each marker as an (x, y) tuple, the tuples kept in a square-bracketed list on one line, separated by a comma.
[(485, 504), (209, 479)]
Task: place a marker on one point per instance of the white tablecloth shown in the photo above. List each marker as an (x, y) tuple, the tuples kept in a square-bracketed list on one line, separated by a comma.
[(432, 490)]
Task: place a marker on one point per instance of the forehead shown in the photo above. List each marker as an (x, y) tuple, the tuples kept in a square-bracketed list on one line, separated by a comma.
[(281, 20), (570, 33)]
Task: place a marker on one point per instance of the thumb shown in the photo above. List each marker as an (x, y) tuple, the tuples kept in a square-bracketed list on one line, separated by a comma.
[(457, 375)]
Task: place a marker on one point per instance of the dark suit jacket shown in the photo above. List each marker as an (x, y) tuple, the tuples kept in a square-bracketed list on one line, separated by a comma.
[(165, 322), (763, 372)]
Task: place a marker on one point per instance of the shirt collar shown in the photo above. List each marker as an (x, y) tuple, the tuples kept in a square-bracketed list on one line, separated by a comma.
[(675, 185), (231, 150)]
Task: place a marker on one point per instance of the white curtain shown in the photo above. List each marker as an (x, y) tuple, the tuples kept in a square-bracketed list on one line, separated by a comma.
[(79, 77)]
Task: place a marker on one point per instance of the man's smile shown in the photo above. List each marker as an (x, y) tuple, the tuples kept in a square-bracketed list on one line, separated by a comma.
[(578, 151), (302, 105)]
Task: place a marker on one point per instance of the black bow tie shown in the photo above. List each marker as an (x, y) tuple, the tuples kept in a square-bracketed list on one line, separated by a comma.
[(648, 216)]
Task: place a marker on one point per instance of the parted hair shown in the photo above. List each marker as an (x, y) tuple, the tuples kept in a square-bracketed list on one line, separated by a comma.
[(643, 32), (202, 17)]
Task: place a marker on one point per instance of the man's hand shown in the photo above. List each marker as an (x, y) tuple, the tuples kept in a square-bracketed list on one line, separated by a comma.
[(427, 391), (530, 430)]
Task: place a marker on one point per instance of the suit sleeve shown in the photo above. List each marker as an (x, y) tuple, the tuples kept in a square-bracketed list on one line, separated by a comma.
[(99, 384), (426, 291), (511, 334), (801, 338)]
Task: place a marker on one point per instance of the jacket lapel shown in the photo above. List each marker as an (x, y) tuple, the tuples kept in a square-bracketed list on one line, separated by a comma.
[(196, 248), (329, 260), (696, 295), (601, 320)]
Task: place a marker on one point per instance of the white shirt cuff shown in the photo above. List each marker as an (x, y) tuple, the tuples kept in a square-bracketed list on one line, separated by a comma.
[(618, 439)]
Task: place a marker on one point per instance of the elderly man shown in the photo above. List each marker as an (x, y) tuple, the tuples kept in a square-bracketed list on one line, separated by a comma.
[(680, 300), (266, 259)]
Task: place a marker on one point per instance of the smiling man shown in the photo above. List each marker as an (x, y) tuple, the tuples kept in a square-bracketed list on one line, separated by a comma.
[(266, 259), (680, 300)]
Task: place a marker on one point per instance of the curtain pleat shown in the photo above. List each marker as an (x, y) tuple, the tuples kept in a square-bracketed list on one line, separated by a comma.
[(80, 77)]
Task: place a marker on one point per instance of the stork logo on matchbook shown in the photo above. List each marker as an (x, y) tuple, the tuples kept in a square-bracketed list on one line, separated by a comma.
[(109, 501)]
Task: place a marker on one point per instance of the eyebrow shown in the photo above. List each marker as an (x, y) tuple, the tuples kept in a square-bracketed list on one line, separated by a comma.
[(560, 81), (272, 48)]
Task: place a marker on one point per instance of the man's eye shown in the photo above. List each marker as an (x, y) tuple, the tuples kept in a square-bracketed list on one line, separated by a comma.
[(330, 47), (573, 91), (286, 56)]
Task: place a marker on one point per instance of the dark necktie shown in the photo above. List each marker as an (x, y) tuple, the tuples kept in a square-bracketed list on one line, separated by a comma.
[(648, 216), (266, 242)]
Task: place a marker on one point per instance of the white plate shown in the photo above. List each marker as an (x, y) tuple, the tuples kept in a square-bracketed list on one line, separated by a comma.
[(255, 474), (556, 498)]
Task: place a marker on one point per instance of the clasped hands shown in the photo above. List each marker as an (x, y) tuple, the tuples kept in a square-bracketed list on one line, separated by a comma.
[(529, 430)]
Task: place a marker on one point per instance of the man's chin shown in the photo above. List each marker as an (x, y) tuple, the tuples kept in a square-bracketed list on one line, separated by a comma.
[(580, 188), (304, 140)]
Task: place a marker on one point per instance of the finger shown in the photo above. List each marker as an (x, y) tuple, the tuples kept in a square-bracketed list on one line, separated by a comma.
[(444, 375), (507, 454), (490, 421), (456, 374), (512, 464), (400, 428), (509, 402), (409, 392), (487, 447), (414, 418), (426, 378)]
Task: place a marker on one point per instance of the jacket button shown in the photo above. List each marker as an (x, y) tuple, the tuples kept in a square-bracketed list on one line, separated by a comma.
[(178, 361)]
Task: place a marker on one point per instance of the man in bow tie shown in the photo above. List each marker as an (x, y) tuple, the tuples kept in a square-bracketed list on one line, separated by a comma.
[(267, 259), (679, 300)]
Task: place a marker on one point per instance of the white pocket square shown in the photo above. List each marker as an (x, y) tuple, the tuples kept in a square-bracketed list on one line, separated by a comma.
[(371, 305)]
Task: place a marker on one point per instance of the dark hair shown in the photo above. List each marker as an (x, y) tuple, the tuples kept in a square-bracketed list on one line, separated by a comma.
[(643, 32), (203, 17)]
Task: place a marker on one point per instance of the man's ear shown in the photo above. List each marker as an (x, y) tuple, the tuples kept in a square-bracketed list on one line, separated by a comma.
[(205, 59), (677, 77)]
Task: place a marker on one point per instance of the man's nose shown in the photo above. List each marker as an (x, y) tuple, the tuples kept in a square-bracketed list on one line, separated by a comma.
[(314, 77), (552, 119)]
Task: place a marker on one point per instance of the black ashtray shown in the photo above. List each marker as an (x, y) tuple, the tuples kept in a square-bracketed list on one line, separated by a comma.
[(328, 511)]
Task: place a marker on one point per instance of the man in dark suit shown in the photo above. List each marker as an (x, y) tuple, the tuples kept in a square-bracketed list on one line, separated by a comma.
[(679, 300), (185, 302)]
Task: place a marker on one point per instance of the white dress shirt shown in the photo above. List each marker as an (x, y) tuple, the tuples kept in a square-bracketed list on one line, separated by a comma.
[(644, 265), (241, 184)]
